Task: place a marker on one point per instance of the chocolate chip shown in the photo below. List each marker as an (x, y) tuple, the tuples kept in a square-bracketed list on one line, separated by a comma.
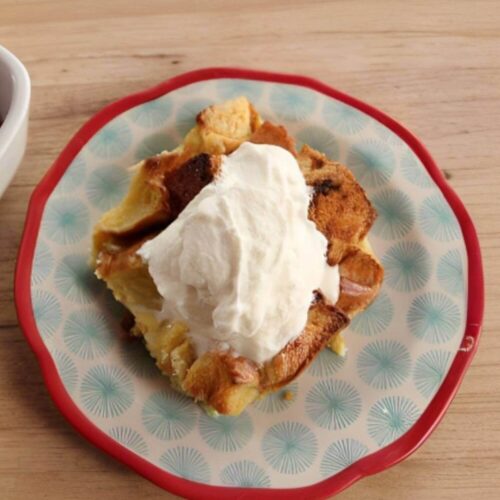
[(325, 187)]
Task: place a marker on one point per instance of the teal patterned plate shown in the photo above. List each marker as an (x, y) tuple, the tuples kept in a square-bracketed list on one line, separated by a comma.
[(348, 416)]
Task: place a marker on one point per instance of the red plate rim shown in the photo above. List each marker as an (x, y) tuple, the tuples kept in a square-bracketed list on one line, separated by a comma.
[(371, 464)]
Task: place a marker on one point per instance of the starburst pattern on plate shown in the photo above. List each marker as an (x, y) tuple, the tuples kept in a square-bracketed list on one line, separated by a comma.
[(430, 370), (340, 454), (320, 139), (168, 415), (137, 358), (333, 404), (437, 219), (384, 364), (130, 439), (326, 363), (386, 135), (67, 369), (88, 334), (279, 400), (43, 263), (372, 162), (407, 266), (396, 214), (433, 317), (414, 171), (106, 186), (245, 474), (73, 177), (289, 447), (107, 391), (224, 433), (230, 88), (291, 103), (450, 272), (376, 318), (47, 312), (344, 119), (186, 462), (155, 144), (66, 220), (390, 417), (112, 141), (75, 281), (152, 114)]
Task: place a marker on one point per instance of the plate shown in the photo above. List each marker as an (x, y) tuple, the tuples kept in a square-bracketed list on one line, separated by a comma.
[(349, 417)]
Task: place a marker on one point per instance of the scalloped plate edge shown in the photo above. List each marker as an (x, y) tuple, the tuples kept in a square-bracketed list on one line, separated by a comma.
[(368, 465)]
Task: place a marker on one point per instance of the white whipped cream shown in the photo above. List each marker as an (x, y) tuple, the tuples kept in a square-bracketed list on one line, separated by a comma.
[(240, 263)]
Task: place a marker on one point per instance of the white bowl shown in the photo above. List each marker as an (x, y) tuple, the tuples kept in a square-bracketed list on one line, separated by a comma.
[(15, 91)]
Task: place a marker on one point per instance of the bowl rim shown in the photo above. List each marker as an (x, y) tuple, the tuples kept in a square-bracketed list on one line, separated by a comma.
[(20, 101), (368, 465)]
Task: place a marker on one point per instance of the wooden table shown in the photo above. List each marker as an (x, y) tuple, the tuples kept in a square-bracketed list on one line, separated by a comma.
[(435, 66)]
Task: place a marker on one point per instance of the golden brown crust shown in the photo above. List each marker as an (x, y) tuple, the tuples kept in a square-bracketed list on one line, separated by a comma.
[(213, 379), (127, 277), (323, 322), (277, 135), (146, 203), (361, 276), (228, 383), (164, 185), (161, 189), (184, 183), (118, 258), (221, 128), (241, 370), (339, 207)]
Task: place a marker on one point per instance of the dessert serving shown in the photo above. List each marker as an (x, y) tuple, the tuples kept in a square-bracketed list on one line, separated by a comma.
[(242, 259), (239, 257)]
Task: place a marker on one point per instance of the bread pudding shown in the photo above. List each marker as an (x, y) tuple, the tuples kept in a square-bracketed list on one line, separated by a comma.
[(166, 196)]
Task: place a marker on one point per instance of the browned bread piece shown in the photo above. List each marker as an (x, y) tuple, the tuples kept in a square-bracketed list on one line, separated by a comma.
[(361, 276), (146, 203), (127, 277), (277, 135), (163, 186), (221, 128), (184, 183), (228, 384), (339, 207), (323, 322)]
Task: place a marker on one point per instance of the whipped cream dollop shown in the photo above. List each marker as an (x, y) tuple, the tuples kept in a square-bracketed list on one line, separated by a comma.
[(240, 263)]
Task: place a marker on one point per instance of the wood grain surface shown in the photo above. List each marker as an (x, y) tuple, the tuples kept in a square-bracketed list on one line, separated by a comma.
[(434, 66)]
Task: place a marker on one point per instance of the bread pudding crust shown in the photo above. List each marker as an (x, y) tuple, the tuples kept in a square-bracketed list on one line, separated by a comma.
[(163, 185)]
